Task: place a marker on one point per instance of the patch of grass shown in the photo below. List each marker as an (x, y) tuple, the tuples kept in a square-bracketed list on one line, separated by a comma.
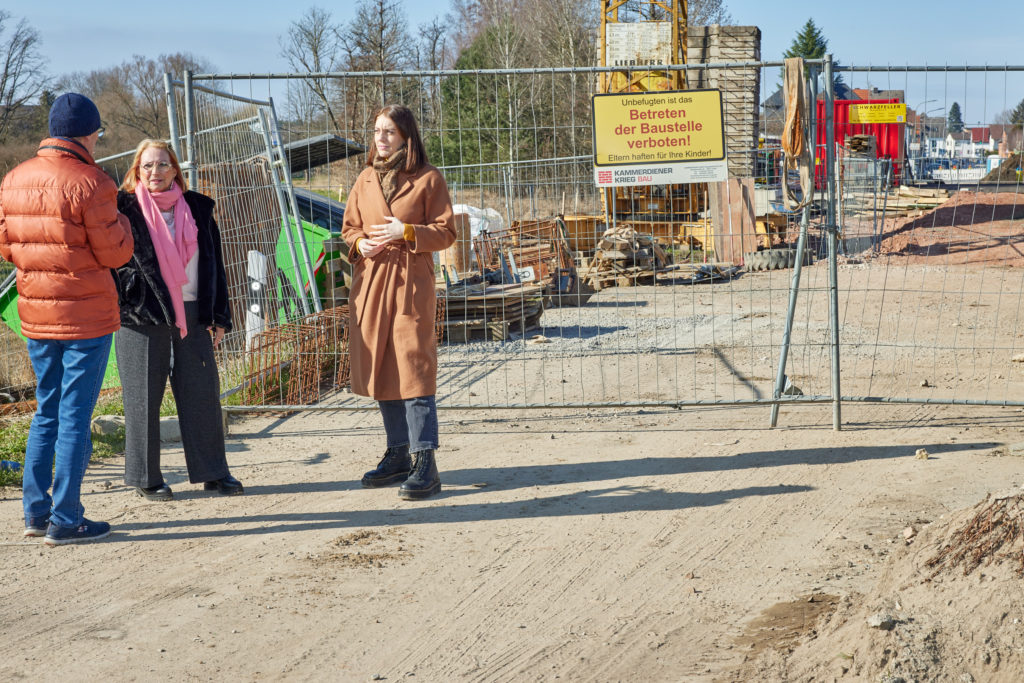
[(114, 405), (108, 445), (330, 194), (14, 437), (109, 405)]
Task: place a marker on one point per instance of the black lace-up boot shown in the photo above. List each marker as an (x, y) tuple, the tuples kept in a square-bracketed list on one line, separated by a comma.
[(393, 467), (424, 480)]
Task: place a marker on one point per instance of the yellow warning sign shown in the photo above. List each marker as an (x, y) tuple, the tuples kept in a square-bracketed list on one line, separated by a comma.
[(878, 113), (658, 127)]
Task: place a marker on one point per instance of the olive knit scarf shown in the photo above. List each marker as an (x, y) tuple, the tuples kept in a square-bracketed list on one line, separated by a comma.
[(387, 172)]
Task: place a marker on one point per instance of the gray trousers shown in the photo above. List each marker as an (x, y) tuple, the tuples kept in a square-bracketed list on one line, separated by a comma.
[(146, 356)]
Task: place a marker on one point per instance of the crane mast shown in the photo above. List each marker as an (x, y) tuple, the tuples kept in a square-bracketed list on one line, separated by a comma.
[(638, 39)]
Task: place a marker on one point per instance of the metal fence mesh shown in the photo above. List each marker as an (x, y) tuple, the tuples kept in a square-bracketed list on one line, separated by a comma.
[(558, 294), (515, 148), (931, 305)]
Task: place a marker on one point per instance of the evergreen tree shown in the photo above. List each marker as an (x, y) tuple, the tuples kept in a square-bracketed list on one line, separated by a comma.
[(480, 111), (1017, 115), (954, 122), (811, 43), (40, 122)]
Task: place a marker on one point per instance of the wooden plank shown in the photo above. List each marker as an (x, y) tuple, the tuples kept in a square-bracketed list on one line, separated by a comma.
[(462, 331), (732, 206), (629, 275), (923, 192)]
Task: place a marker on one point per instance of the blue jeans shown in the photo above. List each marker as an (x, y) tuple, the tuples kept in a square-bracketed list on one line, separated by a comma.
[(411, 421), (69, 374)]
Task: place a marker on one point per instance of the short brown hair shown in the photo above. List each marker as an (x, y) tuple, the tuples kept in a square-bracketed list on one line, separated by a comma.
[(401, 116), (132, 176)]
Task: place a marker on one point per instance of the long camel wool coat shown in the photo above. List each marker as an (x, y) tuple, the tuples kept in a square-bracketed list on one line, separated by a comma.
[(392, 304)]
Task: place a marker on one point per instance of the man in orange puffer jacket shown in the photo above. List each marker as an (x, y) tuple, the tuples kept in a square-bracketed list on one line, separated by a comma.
[(60, 227)]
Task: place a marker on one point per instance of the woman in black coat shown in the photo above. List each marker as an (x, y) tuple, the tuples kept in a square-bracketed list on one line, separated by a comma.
[(174, 311)]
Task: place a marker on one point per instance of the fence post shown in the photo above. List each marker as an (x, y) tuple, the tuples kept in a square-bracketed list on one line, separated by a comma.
[(286, 175), (801, 247), (172, 115), (190, 129), (832, 234), (282, 203)]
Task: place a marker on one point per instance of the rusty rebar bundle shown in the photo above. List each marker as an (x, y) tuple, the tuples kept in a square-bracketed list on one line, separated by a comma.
[(997, 524), (290, 363)]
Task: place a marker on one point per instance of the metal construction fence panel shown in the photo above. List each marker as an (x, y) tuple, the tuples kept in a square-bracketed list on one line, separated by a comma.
[(931, 269), (557, 294), (560, 294)]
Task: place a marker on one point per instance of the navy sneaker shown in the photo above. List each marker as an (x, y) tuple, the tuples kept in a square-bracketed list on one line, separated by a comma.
[(86, 532), (36, 526)]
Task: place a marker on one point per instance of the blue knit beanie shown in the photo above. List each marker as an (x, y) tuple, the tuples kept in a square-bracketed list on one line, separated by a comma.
[(73, 116)]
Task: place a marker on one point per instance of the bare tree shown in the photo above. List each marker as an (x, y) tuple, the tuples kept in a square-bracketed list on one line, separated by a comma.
[(433, 51), (131, 97), (564, 32), (699, 12), (138, 91), (508, 37), (376, 40), (467, 18), (312, 45), (301, 103), (23, 77), (708, 12), (508, 41)]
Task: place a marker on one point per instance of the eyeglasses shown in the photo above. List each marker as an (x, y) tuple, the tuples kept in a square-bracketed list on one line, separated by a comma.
[(101, 131), (161, 166)]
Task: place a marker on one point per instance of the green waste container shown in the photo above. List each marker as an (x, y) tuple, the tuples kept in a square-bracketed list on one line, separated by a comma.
[(316, 238), (9, 314)]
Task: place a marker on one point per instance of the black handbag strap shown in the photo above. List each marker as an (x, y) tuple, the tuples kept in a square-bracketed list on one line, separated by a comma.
[(69, 151)]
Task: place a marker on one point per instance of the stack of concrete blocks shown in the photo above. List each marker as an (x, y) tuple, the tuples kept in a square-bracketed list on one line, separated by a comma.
[(740, 87)]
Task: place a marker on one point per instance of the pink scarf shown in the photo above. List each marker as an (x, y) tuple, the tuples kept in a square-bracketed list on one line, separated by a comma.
[(172, 255)]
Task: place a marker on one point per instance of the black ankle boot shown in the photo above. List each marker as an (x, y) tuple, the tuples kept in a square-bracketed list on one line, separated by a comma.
[(394, 466), (424, 480)]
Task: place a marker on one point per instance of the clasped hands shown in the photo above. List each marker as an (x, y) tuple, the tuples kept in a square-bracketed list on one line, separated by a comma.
[(217, 332), (381, 234)]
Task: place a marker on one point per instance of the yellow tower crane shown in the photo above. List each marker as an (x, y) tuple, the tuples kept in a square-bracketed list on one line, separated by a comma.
[(637, 37), (638, 33)]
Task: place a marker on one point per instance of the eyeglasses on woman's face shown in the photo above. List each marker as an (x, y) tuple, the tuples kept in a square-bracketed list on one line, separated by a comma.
[(101, 131), (161, 166)]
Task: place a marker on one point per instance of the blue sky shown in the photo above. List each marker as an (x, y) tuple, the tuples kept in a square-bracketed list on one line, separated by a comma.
[(237, 36), (242, 36)]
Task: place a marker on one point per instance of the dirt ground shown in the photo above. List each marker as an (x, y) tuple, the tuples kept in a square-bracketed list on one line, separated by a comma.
[(969, 228), (614, 545), (638, 546)]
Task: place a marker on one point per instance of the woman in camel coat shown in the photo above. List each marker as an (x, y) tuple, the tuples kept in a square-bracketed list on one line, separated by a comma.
[(397, 215)]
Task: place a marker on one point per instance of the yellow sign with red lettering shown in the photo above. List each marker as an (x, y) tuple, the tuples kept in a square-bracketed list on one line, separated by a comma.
[(663, 127), (895, 112)]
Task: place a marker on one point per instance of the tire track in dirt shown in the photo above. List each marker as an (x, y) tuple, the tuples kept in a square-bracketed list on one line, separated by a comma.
[(622, 577), (584, 541)]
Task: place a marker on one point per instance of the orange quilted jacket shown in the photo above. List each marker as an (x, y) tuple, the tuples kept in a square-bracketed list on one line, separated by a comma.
[(60, 227)]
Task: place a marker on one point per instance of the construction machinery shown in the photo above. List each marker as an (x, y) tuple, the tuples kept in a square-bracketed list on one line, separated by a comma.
[(643, 35)]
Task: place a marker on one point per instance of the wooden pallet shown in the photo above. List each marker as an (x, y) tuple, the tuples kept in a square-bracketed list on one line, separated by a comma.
[(612, 275), (461, 331), (491, 312)]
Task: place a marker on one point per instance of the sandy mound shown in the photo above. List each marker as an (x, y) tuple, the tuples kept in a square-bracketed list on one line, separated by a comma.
[(1007, 171), (949, 607), (975, 228)]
